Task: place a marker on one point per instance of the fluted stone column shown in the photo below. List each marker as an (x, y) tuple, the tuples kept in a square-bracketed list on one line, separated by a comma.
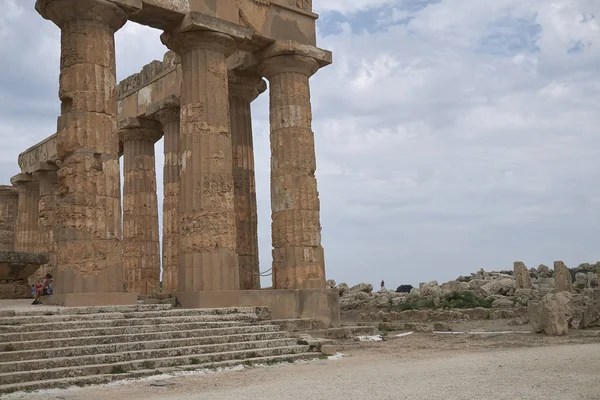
[(27, 232), (141, 248), (298, 261), (169, 118), (88, 214), (48, 180), (207, 244), (9, 206), (242, 91)]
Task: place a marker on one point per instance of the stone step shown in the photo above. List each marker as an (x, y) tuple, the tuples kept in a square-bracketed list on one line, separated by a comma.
[(120, 330), (152, 364), (344, 332), (119, 347), (298, 324), (51, 343), (54, 318), (124, 322), (42, 310), (79, 361), (106, 378)]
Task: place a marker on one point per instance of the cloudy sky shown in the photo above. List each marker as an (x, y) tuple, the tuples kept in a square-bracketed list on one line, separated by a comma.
[(451, 135)]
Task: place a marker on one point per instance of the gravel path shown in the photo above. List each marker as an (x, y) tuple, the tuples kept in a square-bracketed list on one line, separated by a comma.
[(390, 370)]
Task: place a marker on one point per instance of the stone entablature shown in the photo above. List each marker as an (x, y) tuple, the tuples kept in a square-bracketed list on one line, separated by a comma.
[(266, 19)]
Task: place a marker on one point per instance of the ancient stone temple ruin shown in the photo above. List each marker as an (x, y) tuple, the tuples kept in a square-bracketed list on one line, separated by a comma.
[(103, 246)]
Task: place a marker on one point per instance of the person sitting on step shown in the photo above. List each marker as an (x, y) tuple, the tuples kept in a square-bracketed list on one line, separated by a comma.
[(44, 289)]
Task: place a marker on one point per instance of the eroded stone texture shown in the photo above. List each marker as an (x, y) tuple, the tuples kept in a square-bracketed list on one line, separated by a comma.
[(15, 269), (298, 261), (562, 277), (141, 252), (169, 117), (26, 232), (522, 278), (208, 258), (88, 214), (9, 206), (47, 221), (242, 91)]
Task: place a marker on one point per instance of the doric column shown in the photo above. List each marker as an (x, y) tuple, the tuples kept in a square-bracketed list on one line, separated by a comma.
[(207, 244), (169, 118), (141, 249), (48, 179), (9, 206), (26, 232), (297, 253), (242, 91), (88, 214)]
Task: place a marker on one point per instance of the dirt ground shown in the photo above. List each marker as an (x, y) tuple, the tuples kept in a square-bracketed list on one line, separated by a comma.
[(516, 366)]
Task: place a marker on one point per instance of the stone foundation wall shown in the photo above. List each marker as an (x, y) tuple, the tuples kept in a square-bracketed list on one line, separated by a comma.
[(14, 290)]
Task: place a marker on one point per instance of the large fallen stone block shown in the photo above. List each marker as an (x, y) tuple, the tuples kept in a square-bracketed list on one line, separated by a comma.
[(498, 286), (585, 312), (362, 287), (552, 314)]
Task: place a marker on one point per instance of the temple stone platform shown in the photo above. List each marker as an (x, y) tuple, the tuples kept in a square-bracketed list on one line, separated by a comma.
[(319, 304), (15, 268), (91, 299)]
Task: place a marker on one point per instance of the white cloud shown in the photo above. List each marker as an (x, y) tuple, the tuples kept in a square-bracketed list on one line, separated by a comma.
[(348, 6)]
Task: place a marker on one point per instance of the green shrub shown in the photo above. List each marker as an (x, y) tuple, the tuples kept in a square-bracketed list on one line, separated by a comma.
[(465, 300), (418, 304)]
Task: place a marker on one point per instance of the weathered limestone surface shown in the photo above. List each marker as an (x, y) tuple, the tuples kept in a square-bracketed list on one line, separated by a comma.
[(298, 261), (141, 253), (208, 258), (43, 152), (15, 269), (26, 232), (522, 278), (276, 19), (88, 214), (562, 276), (157, 82), (9, 204), (169, 116), (242, 91), (46, 219), (552, 314)]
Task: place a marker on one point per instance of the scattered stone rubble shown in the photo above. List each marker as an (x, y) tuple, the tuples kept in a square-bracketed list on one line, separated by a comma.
[(553, 301)]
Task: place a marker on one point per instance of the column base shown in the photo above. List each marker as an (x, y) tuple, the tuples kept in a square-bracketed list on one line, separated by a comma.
[(91, 299), (321, 304)]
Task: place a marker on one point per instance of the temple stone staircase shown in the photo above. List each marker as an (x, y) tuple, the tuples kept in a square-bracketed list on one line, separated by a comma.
[(78, 346)]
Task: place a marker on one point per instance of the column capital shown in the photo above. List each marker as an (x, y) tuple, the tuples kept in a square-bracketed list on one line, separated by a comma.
[(165, 111), (140, 129), (288, 63), (8, 191), (63, 11), (248, 87), (168, 115), (46, 176), (182, 42), (21, 179)]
